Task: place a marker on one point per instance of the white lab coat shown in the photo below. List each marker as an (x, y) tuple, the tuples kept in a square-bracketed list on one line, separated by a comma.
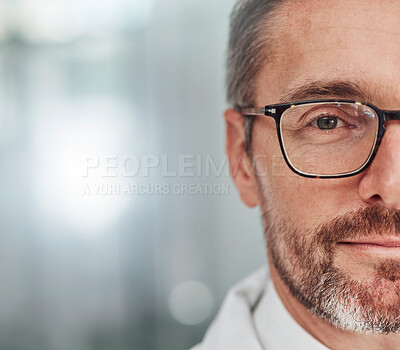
[(253, 317)]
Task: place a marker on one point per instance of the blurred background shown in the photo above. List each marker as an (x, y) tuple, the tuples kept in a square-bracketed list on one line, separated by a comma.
[(120, 226)]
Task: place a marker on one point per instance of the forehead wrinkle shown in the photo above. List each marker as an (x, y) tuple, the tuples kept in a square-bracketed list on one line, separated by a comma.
[(308, 16)]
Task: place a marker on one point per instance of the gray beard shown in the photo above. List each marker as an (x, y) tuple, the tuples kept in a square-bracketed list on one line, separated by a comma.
[(305, 263)]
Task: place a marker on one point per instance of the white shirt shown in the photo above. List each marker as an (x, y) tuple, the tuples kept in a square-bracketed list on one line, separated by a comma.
[(253, 317)]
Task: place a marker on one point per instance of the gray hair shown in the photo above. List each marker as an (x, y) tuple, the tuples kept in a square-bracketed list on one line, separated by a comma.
[(247, 53)]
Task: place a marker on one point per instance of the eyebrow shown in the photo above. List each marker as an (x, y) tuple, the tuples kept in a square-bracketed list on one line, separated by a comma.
[(320, 89)]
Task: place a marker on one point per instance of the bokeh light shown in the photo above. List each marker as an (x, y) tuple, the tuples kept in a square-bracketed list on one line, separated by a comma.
[(67, 137), (191, 303)]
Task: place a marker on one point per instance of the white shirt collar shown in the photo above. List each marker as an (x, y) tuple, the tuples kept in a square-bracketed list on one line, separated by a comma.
[(233, 328), (253, 317), (277, 329)]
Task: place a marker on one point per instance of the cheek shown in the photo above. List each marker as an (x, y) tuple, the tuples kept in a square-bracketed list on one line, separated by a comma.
[(299, 201), (304, 202), (311, 202), (267, 154)]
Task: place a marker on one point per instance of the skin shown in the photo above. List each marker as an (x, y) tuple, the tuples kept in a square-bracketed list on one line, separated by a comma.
[(356, 41)]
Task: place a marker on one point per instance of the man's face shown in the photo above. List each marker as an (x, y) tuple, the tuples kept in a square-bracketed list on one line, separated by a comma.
[(309, 223)]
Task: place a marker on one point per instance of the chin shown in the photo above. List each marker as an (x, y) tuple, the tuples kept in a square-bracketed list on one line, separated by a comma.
[(369, 307)]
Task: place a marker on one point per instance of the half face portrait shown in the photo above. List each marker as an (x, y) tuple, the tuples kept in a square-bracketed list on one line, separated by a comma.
[(313, 140)]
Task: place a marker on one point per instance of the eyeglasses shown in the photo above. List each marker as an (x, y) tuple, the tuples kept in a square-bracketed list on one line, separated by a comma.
[(327, 138)]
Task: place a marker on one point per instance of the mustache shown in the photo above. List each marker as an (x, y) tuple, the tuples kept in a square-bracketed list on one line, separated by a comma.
[(375, 220)]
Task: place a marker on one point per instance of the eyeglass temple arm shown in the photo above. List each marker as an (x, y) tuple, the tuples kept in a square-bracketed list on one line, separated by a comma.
[(392, 115), (258, 111)]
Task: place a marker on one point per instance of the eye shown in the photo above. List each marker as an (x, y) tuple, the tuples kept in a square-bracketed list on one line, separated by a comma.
[(327, 123)]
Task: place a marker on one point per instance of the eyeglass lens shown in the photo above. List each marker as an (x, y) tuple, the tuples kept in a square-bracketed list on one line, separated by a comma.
[(329, 138)]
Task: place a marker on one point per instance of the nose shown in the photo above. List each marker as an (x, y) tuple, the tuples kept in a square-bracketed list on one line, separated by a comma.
[(381, 181)]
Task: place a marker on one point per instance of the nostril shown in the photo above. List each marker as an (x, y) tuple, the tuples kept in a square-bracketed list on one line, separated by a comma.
[(376, 198)]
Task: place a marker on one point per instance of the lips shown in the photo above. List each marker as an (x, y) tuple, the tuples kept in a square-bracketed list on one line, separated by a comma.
[(369, 250), (385, 242)]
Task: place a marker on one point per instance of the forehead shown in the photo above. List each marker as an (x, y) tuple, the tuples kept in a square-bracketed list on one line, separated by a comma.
[(342, 40)]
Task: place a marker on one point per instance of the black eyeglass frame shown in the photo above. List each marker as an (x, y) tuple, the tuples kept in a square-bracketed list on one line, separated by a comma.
[(276, 111)]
